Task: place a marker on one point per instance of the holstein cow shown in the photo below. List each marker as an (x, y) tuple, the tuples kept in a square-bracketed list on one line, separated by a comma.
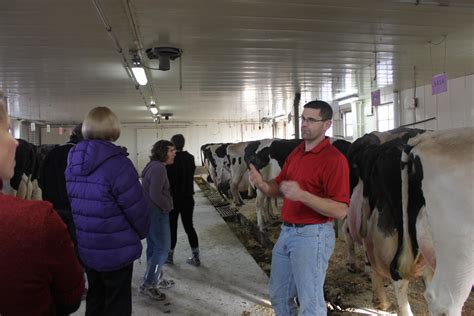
[(375, 214), (218, 166), (205, 159), (438, 216), (239, 172), (355, 225), (268, 156)]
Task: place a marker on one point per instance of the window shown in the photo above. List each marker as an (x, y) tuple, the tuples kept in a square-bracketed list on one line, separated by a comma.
[(385, 117), (348, 124)]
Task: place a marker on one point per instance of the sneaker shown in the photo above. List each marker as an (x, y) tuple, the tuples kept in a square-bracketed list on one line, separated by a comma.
[(194, 261), (153, 293), (165, 284)]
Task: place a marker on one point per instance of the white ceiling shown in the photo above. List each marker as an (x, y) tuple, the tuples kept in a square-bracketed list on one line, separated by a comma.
[(242, 58)]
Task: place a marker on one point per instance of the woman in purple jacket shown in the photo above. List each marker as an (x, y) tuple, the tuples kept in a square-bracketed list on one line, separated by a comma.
[(159, 201), (109, 212)]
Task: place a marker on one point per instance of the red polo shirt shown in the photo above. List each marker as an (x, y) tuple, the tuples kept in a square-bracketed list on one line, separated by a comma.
[(322, 171)]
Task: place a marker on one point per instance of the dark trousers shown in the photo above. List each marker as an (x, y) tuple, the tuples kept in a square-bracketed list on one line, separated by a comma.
[(185, 207), (66, 216), (110, 293)]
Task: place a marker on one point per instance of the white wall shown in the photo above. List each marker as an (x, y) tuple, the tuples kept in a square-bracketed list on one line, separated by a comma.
[(140, 139), (53, 137), (454, 108)]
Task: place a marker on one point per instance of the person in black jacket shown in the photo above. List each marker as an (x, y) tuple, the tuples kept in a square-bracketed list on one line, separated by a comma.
[(53, 182), (181, 177)]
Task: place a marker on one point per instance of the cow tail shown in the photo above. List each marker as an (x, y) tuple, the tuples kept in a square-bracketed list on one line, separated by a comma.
[(412, 174)]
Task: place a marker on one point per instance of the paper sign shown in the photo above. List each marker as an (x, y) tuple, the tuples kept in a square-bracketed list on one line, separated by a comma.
[(439, 83), (33, 127), (376, 97), (48, 128), (61, 130)]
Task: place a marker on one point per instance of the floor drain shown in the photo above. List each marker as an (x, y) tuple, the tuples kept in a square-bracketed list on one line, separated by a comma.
[(226, 211), (217, 200)]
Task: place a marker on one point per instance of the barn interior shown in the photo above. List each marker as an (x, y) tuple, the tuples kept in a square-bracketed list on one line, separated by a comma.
[(233, 71)]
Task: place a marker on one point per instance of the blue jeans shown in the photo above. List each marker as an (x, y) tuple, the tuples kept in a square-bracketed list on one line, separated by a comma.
[(299, 263), (158, 244)]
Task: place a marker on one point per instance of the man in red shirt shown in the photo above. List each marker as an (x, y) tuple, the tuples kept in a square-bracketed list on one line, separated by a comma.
[(314, 182)]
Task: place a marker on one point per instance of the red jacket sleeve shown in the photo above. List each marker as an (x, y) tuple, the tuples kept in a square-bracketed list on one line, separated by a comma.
[(66, 272)]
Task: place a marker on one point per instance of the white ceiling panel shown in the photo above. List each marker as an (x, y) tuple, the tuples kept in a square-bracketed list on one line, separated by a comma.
[(241, 59)]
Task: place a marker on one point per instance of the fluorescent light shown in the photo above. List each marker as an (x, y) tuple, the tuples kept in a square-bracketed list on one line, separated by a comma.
[(348, 100), (140, 76), (345, 94), (153, 109)]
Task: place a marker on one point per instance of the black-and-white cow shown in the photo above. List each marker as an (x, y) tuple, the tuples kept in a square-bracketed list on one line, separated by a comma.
[(239, 172), (438, 216), (375, 213), (217, 163)]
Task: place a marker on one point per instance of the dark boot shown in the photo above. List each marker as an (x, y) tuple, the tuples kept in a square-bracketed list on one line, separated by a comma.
[(170, 260), (194, 259)]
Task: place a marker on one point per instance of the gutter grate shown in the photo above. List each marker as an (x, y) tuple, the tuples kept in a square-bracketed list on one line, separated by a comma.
[(226, 211), (217, 200)]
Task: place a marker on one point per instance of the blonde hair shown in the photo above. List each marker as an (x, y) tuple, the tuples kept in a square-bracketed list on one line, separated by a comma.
[(101, 123)]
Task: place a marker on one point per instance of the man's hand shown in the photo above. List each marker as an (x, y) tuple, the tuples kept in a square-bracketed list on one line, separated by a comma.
[(291, 190), (255, 176)]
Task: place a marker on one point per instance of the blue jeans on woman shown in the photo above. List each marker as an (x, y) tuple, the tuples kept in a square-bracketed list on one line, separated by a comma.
[(299, 263), (158, 245)]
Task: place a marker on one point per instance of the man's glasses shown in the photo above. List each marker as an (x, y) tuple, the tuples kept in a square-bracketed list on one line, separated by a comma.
[(310, 119)]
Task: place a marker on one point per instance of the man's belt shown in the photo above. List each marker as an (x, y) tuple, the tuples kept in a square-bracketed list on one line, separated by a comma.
[(296, 225)]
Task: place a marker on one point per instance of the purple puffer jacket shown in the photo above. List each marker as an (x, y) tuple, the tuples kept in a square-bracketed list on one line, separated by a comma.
[(108, 205)]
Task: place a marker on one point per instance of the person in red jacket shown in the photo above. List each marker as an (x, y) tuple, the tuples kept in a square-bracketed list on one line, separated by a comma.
[(39, 271)]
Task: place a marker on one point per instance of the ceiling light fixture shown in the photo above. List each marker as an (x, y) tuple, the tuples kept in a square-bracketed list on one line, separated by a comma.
[(153, 108), (138, 71), (348, 100)]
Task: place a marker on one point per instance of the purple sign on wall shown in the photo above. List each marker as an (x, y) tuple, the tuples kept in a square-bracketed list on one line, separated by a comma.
[(376, 97), (439, 83)]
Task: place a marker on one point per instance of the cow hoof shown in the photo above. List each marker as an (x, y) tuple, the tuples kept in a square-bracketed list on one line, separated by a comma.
[(352, 268), (384, 306)]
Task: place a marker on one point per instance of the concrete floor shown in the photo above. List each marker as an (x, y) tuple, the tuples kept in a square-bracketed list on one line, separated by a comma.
[(228, 282)]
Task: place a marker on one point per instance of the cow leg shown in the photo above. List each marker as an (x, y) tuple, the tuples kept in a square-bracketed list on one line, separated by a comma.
[(274, 208), (350, 247), (427, 276), (380, 299), (269, 207), (450, 287), (259, 206), (234, 188), (401, 291), (251, 191), (265, 211)]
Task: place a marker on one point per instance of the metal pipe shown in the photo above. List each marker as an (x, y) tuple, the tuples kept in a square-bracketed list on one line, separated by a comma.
[(296, 110)]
